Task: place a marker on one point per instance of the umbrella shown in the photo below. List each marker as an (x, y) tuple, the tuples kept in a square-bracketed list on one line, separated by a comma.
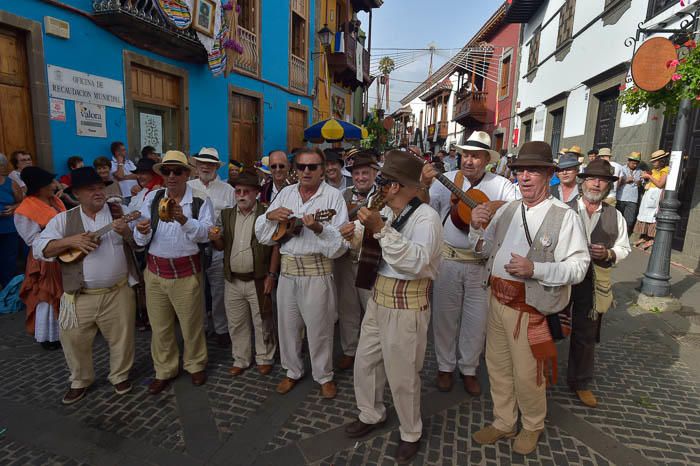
[(333, 130)]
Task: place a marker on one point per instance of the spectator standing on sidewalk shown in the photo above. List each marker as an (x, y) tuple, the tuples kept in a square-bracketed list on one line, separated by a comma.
[(628, 190)]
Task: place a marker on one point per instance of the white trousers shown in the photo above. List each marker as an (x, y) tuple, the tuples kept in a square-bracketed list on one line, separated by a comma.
[(460, 316), (215, 281), (352, 302), (307, 303), (392, 347)]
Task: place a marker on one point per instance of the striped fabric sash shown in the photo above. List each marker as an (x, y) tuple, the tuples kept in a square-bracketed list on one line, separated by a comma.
[(459, 254), (402, 294), (312, 265)]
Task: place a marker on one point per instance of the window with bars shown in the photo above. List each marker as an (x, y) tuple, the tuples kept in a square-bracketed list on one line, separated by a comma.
[(505, 77), (534, 51), (658, 6), (566, 22), (298, 36), (248, 17)]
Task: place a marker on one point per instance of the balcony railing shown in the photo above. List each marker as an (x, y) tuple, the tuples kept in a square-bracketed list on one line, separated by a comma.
[(249, 60), (470, 107), (442, 127), (298, 78), (140, 23), (343, 65)]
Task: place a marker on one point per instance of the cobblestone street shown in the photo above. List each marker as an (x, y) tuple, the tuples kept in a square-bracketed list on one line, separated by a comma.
[(647, 382)]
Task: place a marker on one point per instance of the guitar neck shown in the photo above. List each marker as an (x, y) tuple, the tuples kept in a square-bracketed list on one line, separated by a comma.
[(456, 191), (103, 231)]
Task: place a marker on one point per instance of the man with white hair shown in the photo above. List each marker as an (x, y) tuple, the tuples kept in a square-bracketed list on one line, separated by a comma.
[(222, 196)]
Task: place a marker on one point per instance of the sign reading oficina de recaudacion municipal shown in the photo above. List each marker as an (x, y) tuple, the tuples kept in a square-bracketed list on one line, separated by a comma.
[(69, 84)]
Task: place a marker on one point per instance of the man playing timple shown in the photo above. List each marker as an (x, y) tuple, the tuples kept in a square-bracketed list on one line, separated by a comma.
[(460, 305), (394, 331), (334, 165), (221, 195), (567, 169), (628, 190), (279, 168), (96, 295), (305, 292), (536, 250), (174, 282), (608, 244)]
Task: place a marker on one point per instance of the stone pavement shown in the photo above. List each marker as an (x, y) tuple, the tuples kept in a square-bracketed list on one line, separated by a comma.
[(647, 381)]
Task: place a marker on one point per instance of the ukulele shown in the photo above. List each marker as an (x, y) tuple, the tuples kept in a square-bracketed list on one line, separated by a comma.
[(371, 251), (75, 255), (464, 202), (292, 227)]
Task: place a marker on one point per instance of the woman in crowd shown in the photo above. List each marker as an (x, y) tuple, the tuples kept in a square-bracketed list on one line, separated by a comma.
[(656, 181), (10, 195), (41, 291), (102, 166)]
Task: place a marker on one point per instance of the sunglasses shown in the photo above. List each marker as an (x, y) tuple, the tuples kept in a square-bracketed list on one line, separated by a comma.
[(278, 167), (311, 166), (167, 171)]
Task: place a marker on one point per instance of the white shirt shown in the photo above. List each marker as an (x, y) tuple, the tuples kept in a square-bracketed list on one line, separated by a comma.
[(343, 184), (102, 268), (173, 240), (617, 170), (328, 243), (220, 193), (450, 163), (622, 242), (494, 186), (28, 229), (15, 176), (571, 254), (629, 192), (124, 185)]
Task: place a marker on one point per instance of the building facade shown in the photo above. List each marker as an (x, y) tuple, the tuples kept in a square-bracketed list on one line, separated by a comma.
[(79, 74)]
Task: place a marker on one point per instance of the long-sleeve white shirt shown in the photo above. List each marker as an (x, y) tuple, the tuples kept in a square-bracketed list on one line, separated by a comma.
[(571, 256), (27, 228), (220, 193), (104, 266), (171, 239), (622, 243), (328, 243), (494, 186)]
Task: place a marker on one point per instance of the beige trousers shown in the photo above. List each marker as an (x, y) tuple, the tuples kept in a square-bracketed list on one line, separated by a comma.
[(168, 298), (352, 302), (513, 371), (113, 314), (242, 308), (307, 303), (392, 347)]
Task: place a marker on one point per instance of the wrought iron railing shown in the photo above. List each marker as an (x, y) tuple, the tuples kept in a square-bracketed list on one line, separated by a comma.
[(249, 60), (298, 78), (144, 10)]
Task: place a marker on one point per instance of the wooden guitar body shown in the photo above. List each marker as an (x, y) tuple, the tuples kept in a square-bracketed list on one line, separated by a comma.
[(371, 252), (292, 227)]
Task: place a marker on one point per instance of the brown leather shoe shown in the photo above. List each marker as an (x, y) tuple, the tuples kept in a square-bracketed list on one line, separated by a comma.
[(471, 385), (587, 397), (122, 388), (73, 395), (444, 381), (199, 378), (360, 429), (236, 371), (158, 385), (286, 385), (264, 369), (406, 451), (329, 390), (346, 362)]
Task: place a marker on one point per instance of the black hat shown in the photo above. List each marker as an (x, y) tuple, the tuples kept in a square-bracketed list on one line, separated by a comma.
[(36, 178), (332, 155), (144, 165), (85, 176)]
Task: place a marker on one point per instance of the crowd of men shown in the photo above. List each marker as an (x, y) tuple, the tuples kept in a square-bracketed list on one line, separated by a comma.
[(510, 266)]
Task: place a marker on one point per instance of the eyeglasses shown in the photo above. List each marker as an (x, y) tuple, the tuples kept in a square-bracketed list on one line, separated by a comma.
[(175, 171), (278, 167), (311, 166), (381, 181)]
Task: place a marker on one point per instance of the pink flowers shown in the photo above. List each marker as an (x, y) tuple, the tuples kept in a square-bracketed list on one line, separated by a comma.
[(676, 77), (671, 63), (233, 44)]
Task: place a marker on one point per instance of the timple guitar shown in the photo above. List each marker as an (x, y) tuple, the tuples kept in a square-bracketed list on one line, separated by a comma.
[(75, 255), (292, 227), (371, 252)]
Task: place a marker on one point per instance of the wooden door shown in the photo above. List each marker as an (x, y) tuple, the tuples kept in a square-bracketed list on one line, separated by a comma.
[(607, 119), (245, 129), (498, 142), (557, 123), (16, 126), (296, 122)]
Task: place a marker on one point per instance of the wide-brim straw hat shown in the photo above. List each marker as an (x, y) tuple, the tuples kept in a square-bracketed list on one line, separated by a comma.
[(599, 168), (574, 150), (173, 159), (636, 156), (534, 154), (402, 167), (658, 155), (480, 140), (605, 152), (208, 154)]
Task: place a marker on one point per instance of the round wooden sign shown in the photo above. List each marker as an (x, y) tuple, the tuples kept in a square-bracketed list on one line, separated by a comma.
[(388, 123), (650, 65)]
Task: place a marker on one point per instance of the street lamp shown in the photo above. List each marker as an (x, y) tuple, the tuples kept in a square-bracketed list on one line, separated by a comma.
[(325, 36)]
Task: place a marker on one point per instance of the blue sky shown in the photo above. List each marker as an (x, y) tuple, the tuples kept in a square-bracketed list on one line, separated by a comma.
[(414, 24)]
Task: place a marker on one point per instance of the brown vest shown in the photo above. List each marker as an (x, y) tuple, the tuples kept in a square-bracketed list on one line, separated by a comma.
[(261, 254), (72, 274), (605, 231)]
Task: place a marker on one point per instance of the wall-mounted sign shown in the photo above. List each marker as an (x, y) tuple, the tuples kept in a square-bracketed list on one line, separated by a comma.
[(152, 131), (69, 84), (57, 109), (651, 68), (56, 27), (90, 120)]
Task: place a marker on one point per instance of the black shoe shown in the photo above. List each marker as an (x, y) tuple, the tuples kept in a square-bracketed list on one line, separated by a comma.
[(360, 429), (406, 451), (223, 340), (50, 345)]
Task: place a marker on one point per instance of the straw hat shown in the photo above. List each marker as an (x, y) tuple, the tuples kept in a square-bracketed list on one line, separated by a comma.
[(605, 152), (636, 156), (480, 140), (172, 158), (208, 154), (658, 155)]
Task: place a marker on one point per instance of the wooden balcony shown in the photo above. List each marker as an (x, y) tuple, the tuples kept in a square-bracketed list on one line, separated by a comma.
[(343, 65), (443, 129), (249, 60), (470, 108), (140, 23), (298, 77)]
